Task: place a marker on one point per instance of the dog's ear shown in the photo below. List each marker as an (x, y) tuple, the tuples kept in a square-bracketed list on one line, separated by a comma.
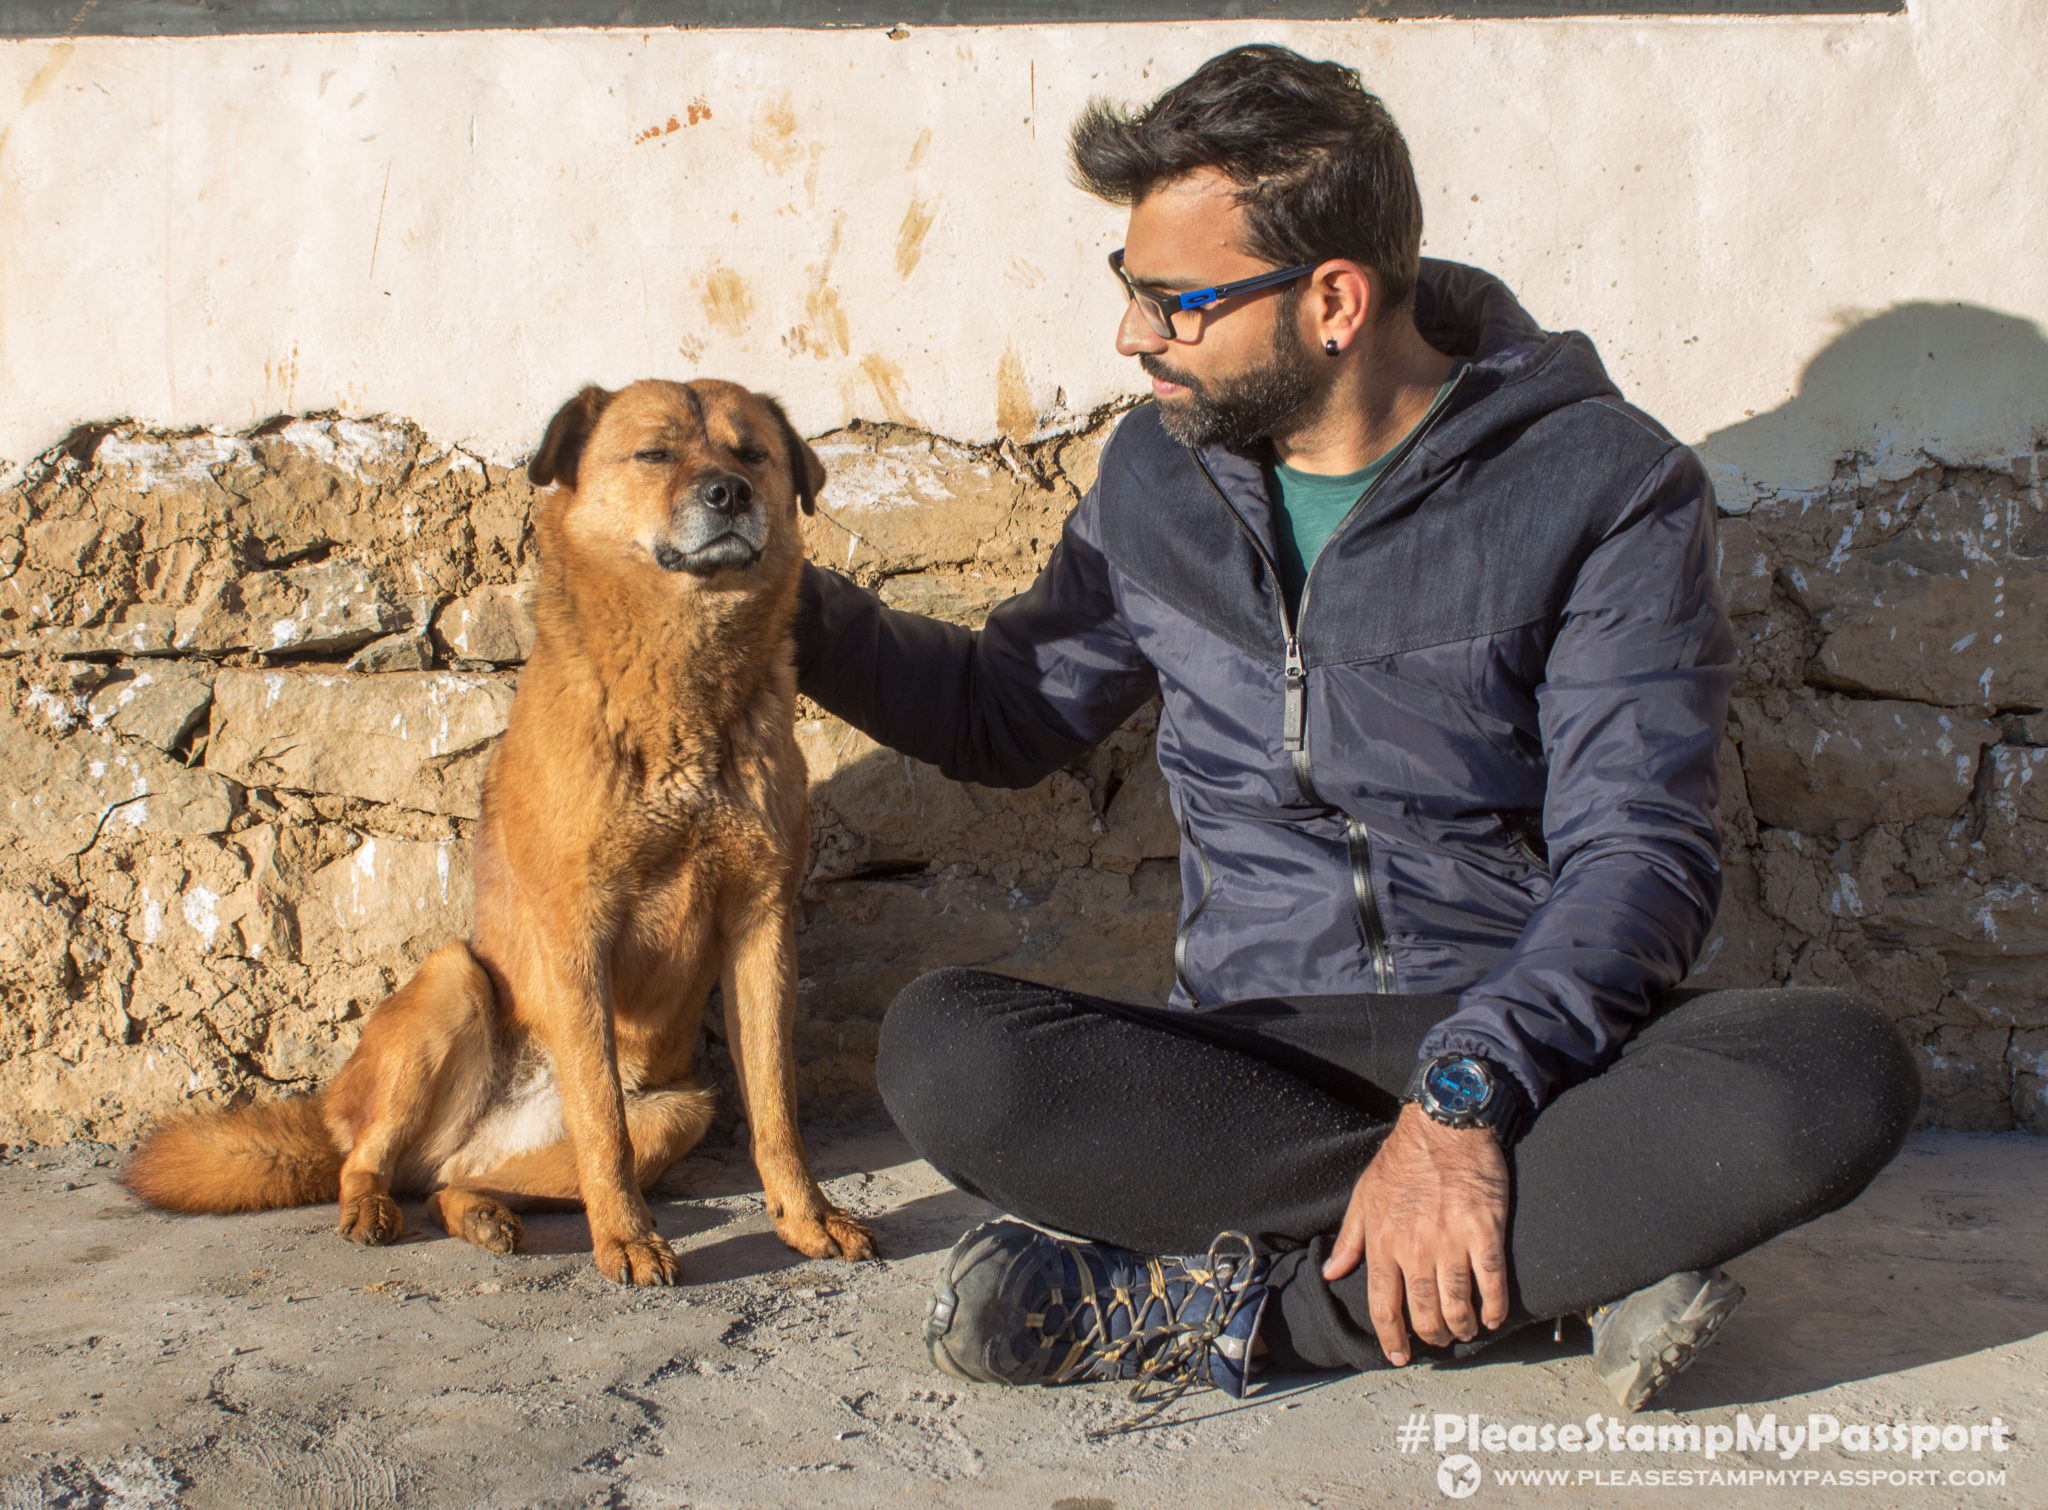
[(561, 449), (804, 466)]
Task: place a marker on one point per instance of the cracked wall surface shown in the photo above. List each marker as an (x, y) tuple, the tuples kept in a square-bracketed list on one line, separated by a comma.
[(253, 682)]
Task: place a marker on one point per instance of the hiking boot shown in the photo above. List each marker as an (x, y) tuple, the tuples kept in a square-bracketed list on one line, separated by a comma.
[(1018, 1304), (1645, 1340)]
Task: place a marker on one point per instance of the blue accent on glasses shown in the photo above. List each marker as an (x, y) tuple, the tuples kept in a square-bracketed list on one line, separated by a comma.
[(1159, 308)]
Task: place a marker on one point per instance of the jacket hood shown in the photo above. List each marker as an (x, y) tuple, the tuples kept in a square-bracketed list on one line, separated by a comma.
[(1520, 371)]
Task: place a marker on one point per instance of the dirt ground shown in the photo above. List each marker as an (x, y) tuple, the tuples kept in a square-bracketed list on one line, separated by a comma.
[(260, 1361)]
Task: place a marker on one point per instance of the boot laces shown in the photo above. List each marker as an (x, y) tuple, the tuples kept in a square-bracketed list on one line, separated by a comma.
[(1169, 1345)]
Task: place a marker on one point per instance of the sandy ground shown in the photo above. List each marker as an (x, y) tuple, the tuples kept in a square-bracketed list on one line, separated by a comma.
[(261, 1361)]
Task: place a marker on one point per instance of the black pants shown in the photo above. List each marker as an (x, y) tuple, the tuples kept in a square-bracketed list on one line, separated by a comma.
[(1730, 1117)]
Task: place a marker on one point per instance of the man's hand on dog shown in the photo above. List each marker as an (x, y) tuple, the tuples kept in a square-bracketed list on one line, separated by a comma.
[(1429, 1216)]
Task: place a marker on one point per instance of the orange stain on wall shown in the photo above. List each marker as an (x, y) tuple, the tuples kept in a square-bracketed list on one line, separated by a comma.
[(698, 111)]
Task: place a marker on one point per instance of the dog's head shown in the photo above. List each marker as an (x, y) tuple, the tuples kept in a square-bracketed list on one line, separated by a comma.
[(693, 478)]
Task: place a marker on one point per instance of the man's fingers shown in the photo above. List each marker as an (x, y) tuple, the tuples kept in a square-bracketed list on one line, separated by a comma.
[(1383, 1300), (1425, 1314), (1349, 1247), (1454, 1292), (1490, 1269)]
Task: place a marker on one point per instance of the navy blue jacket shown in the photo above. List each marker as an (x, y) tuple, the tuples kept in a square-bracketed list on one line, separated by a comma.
[(1483, 761)]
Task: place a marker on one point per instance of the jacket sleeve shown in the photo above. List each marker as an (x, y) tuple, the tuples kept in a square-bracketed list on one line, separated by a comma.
[(1631, 711), (1052, 671)]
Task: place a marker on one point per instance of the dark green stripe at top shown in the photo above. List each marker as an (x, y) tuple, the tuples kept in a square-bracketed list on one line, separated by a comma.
[(203, 18)]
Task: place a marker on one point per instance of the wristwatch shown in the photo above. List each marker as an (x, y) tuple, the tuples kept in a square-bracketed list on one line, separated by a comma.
[(1463, 1090)]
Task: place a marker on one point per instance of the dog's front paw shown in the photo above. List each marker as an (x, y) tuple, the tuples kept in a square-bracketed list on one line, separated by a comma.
[(853, 1238), (830, 1233), (372, 1220), (636, 1260)]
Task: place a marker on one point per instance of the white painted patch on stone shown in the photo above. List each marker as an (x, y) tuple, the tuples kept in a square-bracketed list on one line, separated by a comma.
[(200, 914), (53, 706), (186, 461), (348, 445)]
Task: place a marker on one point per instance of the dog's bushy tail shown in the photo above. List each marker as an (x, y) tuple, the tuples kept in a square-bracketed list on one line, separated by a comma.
[(253, 1158)]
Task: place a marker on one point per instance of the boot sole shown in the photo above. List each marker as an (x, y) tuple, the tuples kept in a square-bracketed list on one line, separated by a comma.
[(1671, 1349), (943, 1308)]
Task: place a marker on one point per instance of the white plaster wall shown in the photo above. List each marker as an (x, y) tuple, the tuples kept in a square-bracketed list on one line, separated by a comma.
[(1793, 239)]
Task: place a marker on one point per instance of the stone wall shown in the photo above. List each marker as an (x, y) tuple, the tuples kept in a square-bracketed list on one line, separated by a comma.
[(252, 682)]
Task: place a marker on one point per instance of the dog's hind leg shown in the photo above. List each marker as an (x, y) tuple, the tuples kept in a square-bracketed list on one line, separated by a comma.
[(424, 1047), (662, 1126)]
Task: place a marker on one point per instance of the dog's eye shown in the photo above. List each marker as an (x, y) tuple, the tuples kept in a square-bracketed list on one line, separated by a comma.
[(753, 456), (655, 455)]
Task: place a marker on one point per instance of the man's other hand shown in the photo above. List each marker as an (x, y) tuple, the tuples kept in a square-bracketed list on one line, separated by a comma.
[(1429, 1216)]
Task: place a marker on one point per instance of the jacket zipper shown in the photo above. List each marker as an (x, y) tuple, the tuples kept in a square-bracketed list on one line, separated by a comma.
[(1294, 710), (1525, 846), (1180, 937)]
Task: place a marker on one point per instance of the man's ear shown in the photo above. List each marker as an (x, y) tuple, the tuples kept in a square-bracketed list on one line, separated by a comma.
[(561, 449), (804, 467)]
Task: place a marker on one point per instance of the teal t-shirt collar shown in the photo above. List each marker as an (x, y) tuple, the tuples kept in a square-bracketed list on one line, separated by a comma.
[(1308, 506)]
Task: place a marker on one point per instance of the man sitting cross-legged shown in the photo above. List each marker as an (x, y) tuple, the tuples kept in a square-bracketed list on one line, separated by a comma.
[(1432, 614)]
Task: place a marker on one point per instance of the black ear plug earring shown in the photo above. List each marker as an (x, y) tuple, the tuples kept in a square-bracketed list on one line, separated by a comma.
[(1330, 346)]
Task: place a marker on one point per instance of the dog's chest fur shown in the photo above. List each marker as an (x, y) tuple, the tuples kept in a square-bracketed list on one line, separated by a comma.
[(697, 803)]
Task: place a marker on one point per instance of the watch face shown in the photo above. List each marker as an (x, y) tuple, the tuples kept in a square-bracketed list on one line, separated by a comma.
[(1460, 1086)]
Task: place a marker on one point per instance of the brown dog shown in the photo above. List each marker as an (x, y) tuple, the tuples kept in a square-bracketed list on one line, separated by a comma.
[(643, 834)]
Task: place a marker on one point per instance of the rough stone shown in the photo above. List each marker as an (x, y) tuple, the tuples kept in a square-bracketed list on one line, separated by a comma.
[(899, 501), (1743, 948), (419, 739), (2028, 1056), (492, 624), (61, 792), (159, 704), (1965, 1070), (957, 597), (389, 898), (1743, 563), (1993, 926), (63, 545), (230, 926), (305, 610), (1140, 823), (1843, 764), (1942, 608), (398, 652)]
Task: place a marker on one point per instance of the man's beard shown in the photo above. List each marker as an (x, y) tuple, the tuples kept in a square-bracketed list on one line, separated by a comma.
[(1236, 411)]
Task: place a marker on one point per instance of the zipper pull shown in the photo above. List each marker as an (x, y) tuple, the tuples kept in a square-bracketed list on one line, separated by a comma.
[(1294, 717)]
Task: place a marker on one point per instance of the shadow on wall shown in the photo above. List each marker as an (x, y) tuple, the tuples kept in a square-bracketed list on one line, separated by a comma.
[(1883, 827), (1071, 882), (1917, 384)]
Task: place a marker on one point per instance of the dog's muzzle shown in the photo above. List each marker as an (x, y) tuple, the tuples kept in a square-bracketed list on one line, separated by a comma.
[(715, 527), (726, 553)]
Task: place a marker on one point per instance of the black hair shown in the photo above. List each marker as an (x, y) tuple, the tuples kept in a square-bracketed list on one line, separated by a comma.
[(1320, 167)]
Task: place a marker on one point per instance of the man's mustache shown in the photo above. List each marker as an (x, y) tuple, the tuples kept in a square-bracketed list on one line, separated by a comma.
[(1153, 367)]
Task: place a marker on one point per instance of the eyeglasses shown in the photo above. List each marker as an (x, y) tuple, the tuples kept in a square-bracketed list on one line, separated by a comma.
[(1159, 308)]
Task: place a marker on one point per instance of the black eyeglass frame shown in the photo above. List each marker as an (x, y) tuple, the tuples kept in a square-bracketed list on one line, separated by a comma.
[(1160, 308)]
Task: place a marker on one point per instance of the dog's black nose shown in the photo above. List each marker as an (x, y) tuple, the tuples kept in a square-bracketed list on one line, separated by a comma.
[(726, 494)]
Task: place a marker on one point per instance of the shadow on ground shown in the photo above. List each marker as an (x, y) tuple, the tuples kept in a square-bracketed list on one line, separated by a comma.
[(1945, 1257)]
